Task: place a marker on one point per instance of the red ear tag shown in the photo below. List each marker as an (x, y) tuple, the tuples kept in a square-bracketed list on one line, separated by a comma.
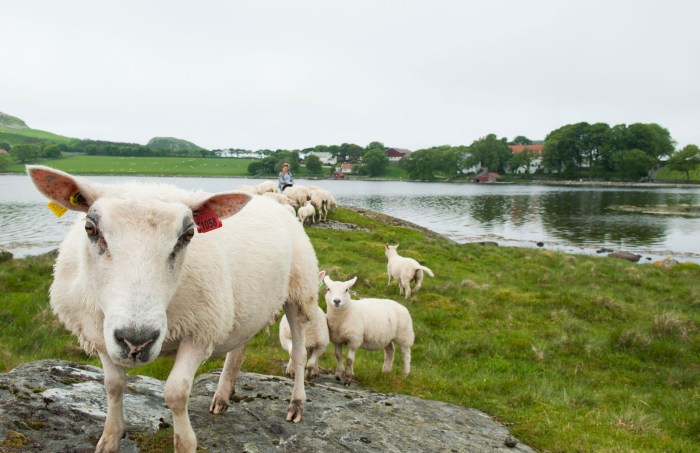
[(206, 220)]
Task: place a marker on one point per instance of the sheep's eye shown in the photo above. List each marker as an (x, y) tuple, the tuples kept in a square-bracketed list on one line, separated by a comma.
[(347, 290), (187, 237), (91, 229)]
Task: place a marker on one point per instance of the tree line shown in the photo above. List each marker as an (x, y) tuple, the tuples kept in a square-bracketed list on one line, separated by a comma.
[(595, 151)]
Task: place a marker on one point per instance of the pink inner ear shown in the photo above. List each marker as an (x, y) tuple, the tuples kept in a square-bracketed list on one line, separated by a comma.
[(227, 204), (56, 187)]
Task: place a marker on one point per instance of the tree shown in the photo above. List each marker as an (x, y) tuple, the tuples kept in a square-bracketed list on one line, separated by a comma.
[(5, 161), (313, 164), (633, 164), (375, 161), (51, 151), (351, 152), (521, 140), (490, 152), (522, 159), (376, 145), (24, 153), (685, 160), (420, 164)]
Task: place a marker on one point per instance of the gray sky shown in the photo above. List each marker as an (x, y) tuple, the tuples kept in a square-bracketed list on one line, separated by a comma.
[(293, 74)]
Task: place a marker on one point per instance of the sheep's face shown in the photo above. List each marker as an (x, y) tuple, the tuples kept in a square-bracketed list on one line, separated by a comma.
[(338, 293), (135, 252)]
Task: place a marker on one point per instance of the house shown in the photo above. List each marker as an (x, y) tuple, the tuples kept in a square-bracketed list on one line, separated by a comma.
[(395, 154), (347, 168), (324, 157), (487, 177), (536, 162)]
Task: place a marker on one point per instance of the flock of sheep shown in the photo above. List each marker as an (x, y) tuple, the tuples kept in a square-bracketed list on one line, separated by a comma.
[(308, 200), (152, 269)]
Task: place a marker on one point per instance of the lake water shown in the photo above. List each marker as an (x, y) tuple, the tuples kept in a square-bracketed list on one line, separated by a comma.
[(572, 219)]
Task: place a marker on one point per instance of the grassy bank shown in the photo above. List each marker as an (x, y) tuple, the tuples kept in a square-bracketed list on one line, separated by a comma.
[(571, 352)]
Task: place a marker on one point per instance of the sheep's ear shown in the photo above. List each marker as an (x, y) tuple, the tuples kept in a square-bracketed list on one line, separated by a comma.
[(72, 193), (352, 282), (208, 209), (321, 276), (327, 281)]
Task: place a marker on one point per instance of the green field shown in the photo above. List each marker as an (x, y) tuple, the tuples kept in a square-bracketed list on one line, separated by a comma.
[(160, 166), (570, 352), (26, 135)]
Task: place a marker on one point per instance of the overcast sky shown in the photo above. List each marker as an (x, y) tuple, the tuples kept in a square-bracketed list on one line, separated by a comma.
[(294, 74)]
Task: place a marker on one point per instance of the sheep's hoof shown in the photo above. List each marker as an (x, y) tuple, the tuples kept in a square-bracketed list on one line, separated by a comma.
[(218, 406), (296, 407)]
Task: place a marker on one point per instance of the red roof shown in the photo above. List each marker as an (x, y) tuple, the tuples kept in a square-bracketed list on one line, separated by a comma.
[(397, 152), (517, 149)]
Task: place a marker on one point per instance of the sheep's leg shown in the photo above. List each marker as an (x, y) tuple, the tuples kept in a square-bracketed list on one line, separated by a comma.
[(340, 369), (349, 360), (419, 280), (177, 392), (227, 380), (388, 271), (388, 357), (289, 371), (312, 370), (298, 327), (407, 287), (406, 356), (115, 383)]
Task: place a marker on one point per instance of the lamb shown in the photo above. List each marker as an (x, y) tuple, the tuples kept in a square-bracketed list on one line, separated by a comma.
[(317, 339), (280, 198), (368, 324), (404, 270), (306, 212), (133, 279)]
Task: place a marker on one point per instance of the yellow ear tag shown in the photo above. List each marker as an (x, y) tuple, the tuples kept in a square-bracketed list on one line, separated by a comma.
[(76, 198), (57, 209)]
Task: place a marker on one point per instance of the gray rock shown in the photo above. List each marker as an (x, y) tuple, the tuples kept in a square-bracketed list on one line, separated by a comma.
[(54, 405), (625, 256)]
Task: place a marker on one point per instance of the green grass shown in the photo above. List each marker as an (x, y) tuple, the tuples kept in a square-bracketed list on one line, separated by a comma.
[(572, 353), (667, 175), (19, 135), (171, 166)]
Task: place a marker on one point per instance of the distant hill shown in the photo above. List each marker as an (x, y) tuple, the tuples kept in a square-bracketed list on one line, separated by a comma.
[(15, 131), (11, 122), (172, 144)]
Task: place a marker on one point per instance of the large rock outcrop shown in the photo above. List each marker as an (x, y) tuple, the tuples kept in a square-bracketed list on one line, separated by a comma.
[(59, 406)]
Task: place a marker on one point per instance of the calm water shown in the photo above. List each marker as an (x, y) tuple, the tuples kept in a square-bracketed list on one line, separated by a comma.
[(578, 220)]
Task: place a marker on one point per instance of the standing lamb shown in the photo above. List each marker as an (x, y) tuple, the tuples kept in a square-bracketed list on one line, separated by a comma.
[(404, 270), (133, 279), (320, 198), (316, 339), (368, 324), (307, 212)]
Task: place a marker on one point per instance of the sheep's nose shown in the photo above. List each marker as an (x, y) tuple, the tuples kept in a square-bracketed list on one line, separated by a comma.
[(336, 302), (135, 343)]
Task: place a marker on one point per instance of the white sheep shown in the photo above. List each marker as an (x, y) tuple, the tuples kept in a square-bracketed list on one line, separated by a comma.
[(368, 324), (404, 270), (253, 190), (267, 187), (298, 193), (317, 339), (306, 212), (320, 199), (133, 280), (280, 198)]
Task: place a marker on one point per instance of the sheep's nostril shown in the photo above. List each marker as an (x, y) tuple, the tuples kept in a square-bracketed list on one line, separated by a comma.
[(135, 343), (336, 302)]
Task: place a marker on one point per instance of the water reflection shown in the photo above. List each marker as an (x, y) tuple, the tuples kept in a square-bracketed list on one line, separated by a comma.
[(560, 217)]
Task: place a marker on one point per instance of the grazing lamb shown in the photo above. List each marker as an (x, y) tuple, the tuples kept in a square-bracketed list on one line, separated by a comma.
[(368, 324), (280, 198), (133, 279), (306, 212), (404, 270), (317, 339)]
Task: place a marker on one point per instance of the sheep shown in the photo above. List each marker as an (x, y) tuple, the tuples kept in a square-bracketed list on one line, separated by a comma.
[(404, 270), (133, 279), (368, 324), (253, 190), (320, 199), (267, 187), (298, 193), (280, 198), (306, 212), (316, 339)]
